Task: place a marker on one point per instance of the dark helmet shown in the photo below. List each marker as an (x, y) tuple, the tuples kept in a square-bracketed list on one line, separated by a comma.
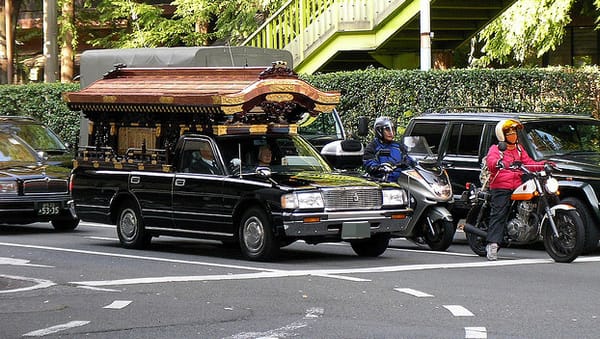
[(504, 125), (381, 123)]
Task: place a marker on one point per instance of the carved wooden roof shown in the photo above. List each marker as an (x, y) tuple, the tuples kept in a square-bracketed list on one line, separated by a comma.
[(226, 91)]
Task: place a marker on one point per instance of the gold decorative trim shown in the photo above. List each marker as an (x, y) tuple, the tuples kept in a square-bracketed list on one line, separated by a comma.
[(166, 100), (109, 99), (279, 97), (230, 110)]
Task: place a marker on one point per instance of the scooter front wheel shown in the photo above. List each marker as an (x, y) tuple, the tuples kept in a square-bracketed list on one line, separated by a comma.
[(442, 236)]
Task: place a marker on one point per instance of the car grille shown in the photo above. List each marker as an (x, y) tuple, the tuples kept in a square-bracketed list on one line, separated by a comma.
[(40, 186), (352, 198)]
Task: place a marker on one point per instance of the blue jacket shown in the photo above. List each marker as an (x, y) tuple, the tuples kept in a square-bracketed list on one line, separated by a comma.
[(398, 157)]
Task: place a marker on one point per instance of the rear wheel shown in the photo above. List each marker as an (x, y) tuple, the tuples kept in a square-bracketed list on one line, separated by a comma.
[(476, 242), (443, 236), (130, 227), (568, 245), (257, 240), (372, 247)]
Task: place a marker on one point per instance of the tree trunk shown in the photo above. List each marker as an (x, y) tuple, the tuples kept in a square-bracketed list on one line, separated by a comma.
[(66, 59)]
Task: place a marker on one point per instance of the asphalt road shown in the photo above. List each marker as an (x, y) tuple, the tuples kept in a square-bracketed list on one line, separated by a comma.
[(83, 284)]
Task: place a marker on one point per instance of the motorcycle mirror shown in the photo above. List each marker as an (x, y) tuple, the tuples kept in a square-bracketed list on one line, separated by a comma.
[(362, 126), (502, 146)]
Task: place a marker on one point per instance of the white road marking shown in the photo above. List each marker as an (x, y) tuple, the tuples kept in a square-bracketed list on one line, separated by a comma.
[(102, 238), (415, 293), (39, 283), (19, 262), (475, 333), (57, 328), (98, 289), (458, 311), (286, 331), (118, 304)]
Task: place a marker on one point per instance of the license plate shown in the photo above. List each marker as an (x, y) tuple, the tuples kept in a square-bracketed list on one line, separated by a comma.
[(356, 230), (48, 208)]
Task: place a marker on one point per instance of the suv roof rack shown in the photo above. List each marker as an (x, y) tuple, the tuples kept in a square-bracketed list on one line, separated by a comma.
[(458, 109)]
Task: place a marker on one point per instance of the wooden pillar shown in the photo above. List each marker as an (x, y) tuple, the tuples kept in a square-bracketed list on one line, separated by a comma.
[(10, 41)]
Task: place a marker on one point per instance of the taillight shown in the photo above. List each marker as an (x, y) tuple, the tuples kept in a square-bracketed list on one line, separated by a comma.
[(71, 183)]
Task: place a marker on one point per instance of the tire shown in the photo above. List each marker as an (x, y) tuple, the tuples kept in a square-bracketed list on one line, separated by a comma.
[(569, 244), (444, 236), (257, 240), (372, 247), (591, 230), (476, 242), (130, 228), (62, 225)]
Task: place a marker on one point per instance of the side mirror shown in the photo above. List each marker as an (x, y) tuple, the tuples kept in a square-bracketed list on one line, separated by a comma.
[(362, 128), (235, 166), (43, 155)]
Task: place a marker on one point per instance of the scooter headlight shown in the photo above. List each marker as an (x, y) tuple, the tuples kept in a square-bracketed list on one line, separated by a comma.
[(552, 185), (443, 191)]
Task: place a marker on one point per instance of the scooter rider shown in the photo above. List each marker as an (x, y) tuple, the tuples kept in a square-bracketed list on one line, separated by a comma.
[(378, 163), (504, 182)]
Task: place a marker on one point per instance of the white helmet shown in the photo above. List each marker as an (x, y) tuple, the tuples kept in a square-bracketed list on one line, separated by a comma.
[(504, 125)]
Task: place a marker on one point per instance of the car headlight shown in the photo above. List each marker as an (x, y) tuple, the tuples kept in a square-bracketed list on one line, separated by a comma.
[(302, 200), (552, 185), (8, 187), (394, 197)]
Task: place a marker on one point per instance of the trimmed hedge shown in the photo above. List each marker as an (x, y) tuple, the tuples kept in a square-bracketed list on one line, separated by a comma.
[(400, 94)]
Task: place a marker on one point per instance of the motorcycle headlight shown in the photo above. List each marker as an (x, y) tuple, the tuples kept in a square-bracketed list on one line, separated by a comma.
[(302, 200), (443, 191), (552, 185), (394, 197), (8, 187)]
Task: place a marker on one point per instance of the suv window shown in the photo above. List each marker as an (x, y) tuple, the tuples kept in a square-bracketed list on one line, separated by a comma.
[(465, 139), (433, 132)]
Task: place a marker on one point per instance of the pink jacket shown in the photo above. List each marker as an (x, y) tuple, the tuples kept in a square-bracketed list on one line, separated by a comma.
[(507, 178)]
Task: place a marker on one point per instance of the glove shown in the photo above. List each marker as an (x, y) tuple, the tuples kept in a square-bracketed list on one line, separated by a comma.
[(516, 163), (385, 168), (500, 164)]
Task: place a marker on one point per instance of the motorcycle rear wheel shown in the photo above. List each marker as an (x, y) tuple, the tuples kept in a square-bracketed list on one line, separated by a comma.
[(476, 242), (571, 236)]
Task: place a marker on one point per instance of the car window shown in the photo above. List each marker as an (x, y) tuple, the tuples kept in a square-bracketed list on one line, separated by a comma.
[(13, 150), (432, 132), (40, 137), (564, 137), (465, 139)]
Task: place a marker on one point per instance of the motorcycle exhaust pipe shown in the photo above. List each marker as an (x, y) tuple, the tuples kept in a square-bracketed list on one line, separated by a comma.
[(474, 230)]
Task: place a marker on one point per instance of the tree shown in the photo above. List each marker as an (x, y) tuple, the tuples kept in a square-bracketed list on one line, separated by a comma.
[(527, 30)]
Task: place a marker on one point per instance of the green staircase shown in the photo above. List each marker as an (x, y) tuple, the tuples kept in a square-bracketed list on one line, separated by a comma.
[(334, 35)]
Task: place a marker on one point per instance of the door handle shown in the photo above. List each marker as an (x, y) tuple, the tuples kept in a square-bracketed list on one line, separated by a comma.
[(134, 180), (179, 182)]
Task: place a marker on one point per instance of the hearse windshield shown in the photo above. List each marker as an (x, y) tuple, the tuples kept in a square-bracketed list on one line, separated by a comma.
[(563, 137), (282, 153)]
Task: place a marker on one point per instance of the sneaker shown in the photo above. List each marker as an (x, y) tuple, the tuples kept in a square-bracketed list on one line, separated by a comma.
[(492, 251)]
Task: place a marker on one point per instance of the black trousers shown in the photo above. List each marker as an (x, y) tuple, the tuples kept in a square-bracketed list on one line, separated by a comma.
[(500, 206)]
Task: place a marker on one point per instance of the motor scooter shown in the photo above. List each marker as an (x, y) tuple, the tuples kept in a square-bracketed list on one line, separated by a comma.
[(430, 192)]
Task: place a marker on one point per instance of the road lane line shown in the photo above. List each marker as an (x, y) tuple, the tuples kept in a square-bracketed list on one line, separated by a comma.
[(57, 328), (20, 262), (413, 292), (475, 333), (118, 304), (458, 311), (286, 331), (39, 283)]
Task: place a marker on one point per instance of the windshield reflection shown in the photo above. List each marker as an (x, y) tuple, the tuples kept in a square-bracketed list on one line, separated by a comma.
[(564, 137)]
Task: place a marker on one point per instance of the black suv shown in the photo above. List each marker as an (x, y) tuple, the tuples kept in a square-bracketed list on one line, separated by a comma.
[(571, 141), (40, 137)]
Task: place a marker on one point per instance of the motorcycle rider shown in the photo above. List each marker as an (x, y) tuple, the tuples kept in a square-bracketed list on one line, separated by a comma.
[(378, 163), (504, 181)]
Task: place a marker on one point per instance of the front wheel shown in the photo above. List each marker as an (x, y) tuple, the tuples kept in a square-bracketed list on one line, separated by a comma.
[(441, 237), (257, 240), (476, 242), (569, 243), (371, 247)]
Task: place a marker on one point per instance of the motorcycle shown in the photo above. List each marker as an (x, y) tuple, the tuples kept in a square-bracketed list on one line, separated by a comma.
[(430, 195), (535, 213)]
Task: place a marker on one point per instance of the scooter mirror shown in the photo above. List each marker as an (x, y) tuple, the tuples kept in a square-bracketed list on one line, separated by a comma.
[(362, 126)]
